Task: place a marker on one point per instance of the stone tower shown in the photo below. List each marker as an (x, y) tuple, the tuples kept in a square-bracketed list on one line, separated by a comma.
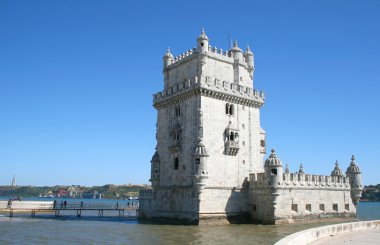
[(209, 136)]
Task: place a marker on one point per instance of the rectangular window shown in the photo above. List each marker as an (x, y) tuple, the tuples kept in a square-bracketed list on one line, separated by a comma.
[(295, 208), (176, 163), (308, 207), (347, 207), (322, 207), (335, 207), (197, 161), (273, 171)]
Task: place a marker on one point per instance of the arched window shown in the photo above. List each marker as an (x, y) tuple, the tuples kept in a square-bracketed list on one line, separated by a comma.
[(176, 163), (232, 136), (177, 111), (231, 109)]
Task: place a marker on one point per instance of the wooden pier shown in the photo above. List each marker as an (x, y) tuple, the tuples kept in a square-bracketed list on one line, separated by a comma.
[(68, 209)]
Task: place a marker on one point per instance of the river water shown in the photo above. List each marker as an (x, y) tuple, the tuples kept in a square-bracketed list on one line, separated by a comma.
[(72, 230)]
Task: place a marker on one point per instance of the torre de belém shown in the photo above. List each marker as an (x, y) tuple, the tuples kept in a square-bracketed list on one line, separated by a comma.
[(209, 165)]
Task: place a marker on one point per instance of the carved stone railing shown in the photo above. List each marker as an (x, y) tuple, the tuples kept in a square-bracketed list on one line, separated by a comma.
[(213, 87), (293, 180)]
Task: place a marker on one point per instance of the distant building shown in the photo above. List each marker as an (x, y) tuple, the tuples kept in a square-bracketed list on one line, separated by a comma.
[(14, 181), (209, 161)]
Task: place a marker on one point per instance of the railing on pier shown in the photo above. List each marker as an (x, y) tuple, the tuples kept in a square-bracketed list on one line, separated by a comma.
[(49, 206)]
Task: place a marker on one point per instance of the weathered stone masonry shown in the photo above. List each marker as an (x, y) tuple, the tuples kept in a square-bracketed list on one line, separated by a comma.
[(208, 166)]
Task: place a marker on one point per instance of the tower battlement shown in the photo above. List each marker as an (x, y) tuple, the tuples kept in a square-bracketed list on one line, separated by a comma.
[(209, 158), (301, 181), (210, 86)]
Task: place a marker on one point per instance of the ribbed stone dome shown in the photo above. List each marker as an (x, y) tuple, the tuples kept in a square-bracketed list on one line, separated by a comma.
[(156, 157), (203, 35), (168, 54), (353, 168), (273, 160), (248, 51), (236, 48), (337, 171), (200, 150)]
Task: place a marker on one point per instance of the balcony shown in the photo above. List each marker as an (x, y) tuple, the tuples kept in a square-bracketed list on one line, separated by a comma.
[(231, 148)]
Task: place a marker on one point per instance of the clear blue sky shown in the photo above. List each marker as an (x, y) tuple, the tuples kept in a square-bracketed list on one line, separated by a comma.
[(77, 78)]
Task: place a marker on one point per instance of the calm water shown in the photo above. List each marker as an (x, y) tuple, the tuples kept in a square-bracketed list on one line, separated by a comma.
[(19, 230)]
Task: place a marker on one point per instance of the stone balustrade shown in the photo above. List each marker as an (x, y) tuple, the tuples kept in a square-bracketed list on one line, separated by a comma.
[(146, 194), (295, 180), (213, 85)]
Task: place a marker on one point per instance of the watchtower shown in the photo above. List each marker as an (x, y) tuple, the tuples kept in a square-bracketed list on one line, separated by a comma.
[(209, 136)]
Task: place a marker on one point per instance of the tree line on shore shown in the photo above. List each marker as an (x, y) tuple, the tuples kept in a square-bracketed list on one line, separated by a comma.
[(75, 191)]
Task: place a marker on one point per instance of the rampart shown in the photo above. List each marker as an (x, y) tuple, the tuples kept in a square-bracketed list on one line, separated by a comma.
[(302, 181), (215, 86)]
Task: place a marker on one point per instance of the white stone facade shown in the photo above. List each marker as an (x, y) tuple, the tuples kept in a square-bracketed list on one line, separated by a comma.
[(208, 165)]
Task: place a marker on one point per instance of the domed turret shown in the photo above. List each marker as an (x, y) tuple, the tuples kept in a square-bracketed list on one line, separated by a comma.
[(202, 42), (249, 58), (236, 51), (353, 172), (155, 169), (337, 171), (201, 174), (168, 58), (273, 160), (273, 169)]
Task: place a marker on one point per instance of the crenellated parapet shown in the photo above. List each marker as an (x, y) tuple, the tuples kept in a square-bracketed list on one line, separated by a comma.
[(212, 87), (146, 193), (301, 181)]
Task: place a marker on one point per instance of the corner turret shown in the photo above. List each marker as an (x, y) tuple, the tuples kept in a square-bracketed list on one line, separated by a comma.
[(353, 172), (201, 174), (237, 53), (249, 58), (337, 171), (202, 43), (168, 58), (273, 169), (155, 170)]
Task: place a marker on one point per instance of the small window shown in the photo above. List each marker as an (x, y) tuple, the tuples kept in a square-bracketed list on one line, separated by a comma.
[(262, 143), (177, 111), (176, 163), (295, 208), (254, 208), (308, 207), (347, 207), (243, 126), (273, 171), (241, 78), (202, 44), (322, 207), (243, 161), (232, 136), (197, 161), (243, 143), (229, 109), (335, 207)]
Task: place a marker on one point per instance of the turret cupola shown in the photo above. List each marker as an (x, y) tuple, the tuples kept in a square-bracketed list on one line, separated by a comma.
[(273, 160), (337, 171), (249, 59), (273, 169), (155, 169), (168, 58), (353, 172), (202, 42), (236, 51), (353, 168)]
